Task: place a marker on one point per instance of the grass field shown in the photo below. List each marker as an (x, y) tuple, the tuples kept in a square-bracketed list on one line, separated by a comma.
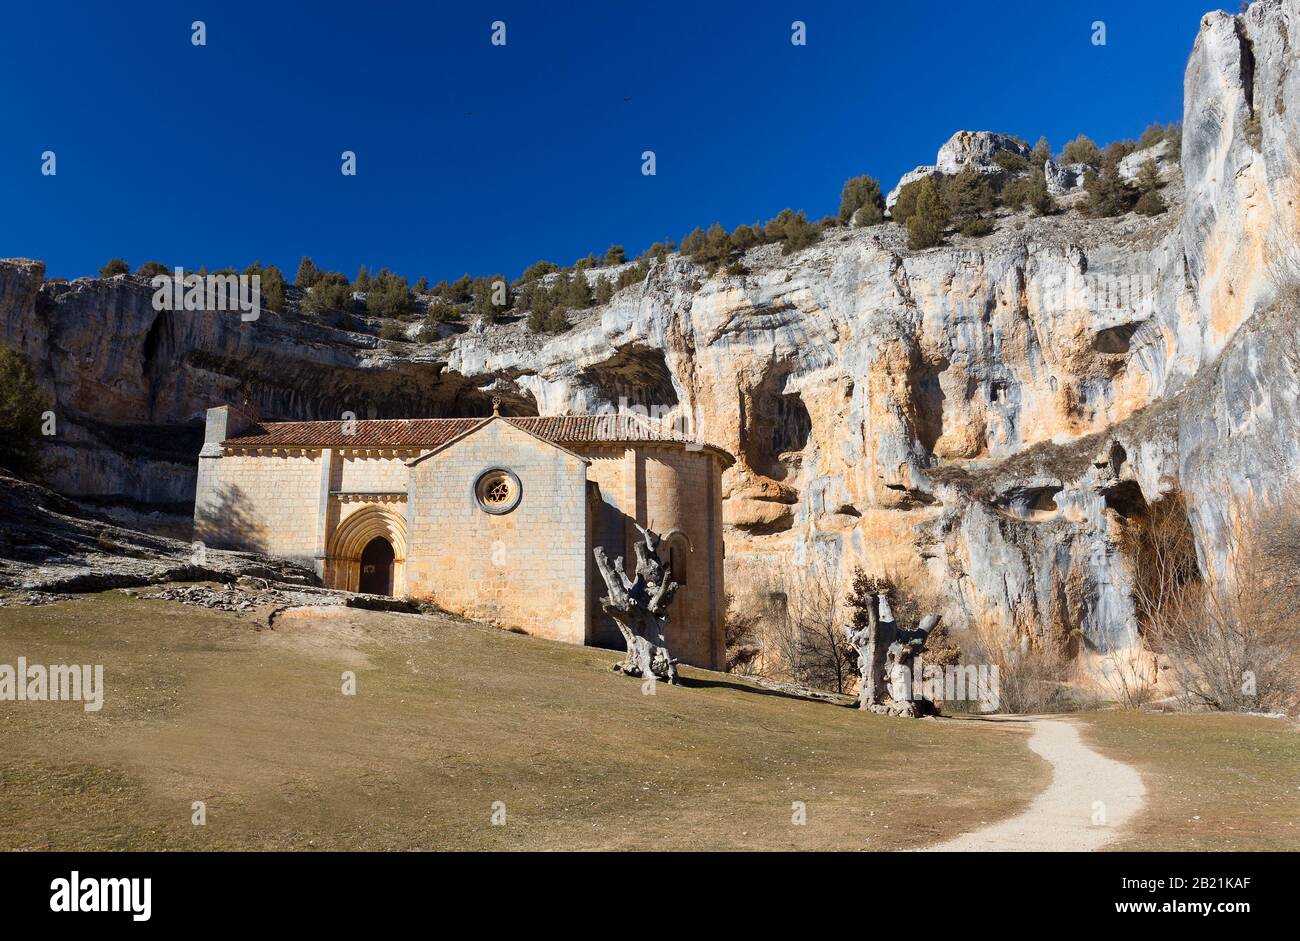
[(448, 718), (1214, 781)]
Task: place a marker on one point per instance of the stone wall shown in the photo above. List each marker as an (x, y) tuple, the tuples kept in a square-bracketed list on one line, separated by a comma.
[(674, 492), (526, 568), (262, 502)]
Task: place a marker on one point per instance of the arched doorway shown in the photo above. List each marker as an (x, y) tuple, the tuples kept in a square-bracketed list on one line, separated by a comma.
[(355, 535), (377, 567)]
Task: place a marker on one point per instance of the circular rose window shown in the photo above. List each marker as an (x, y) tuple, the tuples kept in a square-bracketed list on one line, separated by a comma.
[(497, 491)]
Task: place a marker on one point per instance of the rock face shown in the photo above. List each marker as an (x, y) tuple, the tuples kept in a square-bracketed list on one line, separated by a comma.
[(1064, 178), (976, 149), (985, 415), (1160, 154), (964, 150)]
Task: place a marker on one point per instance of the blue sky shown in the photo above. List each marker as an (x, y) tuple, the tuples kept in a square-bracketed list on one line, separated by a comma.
[(476, 158)]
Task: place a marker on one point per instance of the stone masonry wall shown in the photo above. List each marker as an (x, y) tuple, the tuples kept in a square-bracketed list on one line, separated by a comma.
[(668, 489), (263, 503), (526, 568)]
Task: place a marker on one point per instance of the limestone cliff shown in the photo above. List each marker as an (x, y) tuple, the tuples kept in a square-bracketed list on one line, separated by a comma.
[(988, 412)]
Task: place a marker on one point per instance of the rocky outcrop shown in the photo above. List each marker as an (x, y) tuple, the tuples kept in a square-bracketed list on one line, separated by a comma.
[(49, 545), (986, 415), (975, 150)]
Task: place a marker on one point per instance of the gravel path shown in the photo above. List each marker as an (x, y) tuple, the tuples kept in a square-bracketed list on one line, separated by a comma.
[(1089, 801)]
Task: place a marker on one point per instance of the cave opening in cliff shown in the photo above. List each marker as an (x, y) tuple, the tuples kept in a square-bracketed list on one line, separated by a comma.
[(927, 402), (1160, 545), (776, 428), (635, 378)]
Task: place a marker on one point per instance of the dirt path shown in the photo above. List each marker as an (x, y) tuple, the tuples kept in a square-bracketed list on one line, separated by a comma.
[(1090, 799)]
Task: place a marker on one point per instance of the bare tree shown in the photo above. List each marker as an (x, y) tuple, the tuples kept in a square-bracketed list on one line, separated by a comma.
[(640, 608), (801, 629), (1231, 639)]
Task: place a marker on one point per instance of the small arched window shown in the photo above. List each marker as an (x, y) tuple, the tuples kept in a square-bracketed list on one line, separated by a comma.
[(679, 550)]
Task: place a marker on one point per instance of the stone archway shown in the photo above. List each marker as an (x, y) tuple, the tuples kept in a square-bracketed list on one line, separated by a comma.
[(354, 536)]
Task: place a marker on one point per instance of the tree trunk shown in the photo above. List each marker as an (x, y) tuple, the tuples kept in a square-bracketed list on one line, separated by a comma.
[(640, 608)]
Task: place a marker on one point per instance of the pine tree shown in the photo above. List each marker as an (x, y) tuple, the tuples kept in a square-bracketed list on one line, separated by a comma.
[(22, 405), (926, 226), (1150, 203), (861, 202), (308, 274)]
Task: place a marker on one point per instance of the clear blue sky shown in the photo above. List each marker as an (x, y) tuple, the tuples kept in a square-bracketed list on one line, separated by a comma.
[(475, 158)]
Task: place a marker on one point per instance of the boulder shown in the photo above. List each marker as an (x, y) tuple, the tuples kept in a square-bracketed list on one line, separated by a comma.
[(977, 149)]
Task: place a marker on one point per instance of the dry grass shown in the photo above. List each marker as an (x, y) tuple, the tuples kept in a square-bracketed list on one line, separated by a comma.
[(448, 718), (1214, 781)]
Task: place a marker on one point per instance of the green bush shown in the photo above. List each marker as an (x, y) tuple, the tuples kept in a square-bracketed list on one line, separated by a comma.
[(977, 227), (905, 205), (421, 286), (440, 311), (389, 296), (1009, 162), (331, 292), (152, 269), (392, 330), (968, 198), (1029, 190), (22, 405), (1108, 194), (361, 282), (861, 202), (604, 291), (308, 274), (929, 220), (1155, 133), (483, 293), (538, 270), (615, 255), (658, 250), (1150, 202), (1081, 150), (792, 230), (114, 267), (635, 274), (1042, 152), (273, 289)]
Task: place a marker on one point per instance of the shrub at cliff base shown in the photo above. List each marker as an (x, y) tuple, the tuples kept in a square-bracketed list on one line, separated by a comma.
[(22, 404)]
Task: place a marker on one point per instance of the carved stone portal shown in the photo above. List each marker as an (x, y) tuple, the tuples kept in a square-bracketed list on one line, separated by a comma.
[(640, 608)]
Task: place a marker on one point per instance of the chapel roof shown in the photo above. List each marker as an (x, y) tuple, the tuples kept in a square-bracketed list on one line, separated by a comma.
[(422, 433)]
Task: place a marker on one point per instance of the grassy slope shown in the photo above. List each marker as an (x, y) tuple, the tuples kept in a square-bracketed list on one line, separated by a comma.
[(448, 718), (1214, 782)]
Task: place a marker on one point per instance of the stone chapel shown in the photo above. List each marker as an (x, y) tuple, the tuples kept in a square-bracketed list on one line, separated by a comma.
[(491, 518)]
